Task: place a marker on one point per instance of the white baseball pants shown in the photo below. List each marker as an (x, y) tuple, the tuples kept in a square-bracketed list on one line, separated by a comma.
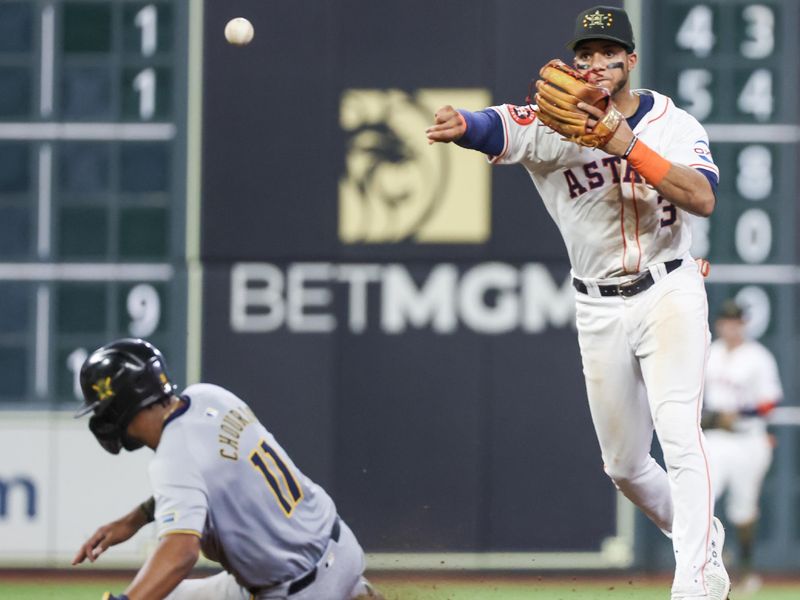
[(739, 463), (644, 363)]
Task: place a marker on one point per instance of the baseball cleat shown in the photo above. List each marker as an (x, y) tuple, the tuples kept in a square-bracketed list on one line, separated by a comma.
[(718, 583)]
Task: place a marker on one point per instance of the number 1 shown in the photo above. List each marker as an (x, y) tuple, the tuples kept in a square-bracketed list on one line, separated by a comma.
[(145, 84), (147, 20), (280, 479)]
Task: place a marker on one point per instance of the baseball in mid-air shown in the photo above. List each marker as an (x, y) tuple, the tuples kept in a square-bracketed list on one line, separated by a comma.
[(239, 31)]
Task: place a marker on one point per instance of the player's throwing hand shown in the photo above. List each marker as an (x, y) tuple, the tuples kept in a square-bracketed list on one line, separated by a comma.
[(448, 126), (623, 135)]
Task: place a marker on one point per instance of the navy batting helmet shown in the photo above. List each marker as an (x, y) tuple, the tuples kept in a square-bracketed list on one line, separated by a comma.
[(118, 380)]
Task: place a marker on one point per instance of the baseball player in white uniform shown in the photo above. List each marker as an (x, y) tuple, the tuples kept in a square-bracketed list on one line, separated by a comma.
[(742, 388), (641, 303), (222, 484)]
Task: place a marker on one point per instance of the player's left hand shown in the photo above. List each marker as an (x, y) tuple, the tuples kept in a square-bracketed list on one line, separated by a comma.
[(704, 266), (106, 536), (623, 136)]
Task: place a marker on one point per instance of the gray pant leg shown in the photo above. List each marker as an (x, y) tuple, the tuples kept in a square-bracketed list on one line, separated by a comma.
[(221, 586)]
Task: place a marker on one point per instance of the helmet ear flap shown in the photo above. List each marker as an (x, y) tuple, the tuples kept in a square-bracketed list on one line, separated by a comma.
[(113, 435), (106, 433)]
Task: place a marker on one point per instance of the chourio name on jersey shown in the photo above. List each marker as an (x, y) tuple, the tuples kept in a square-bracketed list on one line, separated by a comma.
[(231, 427)]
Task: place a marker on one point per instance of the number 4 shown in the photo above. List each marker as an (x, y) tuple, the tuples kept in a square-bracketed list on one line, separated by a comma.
[(756, 97), (696, 33), (279, 478)]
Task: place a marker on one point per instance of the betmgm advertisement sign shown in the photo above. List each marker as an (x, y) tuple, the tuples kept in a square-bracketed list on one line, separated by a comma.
[(397, 188)]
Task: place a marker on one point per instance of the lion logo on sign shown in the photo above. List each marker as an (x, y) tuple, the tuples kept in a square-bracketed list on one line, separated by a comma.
[(394, 181)]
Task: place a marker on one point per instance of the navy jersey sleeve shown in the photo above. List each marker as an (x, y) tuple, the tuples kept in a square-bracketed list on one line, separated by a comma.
[(712, 178), (484, 132)]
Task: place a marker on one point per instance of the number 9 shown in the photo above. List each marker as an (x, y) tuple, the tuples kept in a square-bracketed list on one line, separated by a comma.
[(144, 308)]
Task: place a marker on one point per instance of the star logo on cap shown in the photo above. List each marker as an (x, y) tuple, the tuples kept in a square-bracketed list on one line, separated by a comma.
[(598, 19), (103, 389)]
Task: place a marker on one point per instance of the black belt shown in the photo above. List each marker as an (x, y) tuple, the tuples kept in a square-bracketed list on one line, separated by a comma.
[(629, 288), (306, 580)]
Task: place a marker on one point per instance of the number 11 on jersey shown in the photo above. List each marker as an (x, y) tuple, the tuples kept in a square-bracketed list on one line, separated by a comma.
[(281, 480)]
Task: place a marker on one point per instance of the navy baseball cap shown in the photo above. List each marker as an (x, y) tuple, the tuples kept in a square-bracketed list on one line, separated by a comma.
[(603, 23), (730, 310)]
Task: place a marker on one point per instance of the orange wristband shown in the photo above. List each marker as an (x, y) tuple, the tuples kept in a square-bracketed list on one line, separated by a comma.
[(648, 163)]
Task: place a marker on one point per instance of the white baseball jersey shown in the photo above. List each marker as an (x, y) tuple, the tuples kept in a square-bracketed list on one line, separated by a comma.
[(741, 380), (642, 355), (219, 474), (612, 222)]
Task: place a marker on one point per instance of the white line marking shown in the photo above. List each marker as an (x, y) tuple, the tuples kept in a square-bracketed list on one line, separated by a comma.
[(785, 415), (85, 272), (194, 292), (778, 274), (738, 132), (46, 76), (45, 200), (42, 340), (490, 561), (87, 131)]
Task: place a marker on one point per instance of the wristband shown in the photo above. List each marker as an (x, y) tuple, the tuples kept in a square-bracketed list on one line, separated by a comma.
[(148, 507), (630, 147), (648, 163)]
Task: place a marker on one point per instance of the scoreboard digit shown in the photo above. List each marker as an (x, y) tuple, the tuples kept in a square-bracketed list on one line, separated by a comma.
[(92, 186)]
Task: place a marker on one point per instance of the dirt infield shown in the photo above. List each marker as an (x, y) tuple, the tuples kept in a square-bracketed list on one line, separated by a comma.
[(83, 584), (559, 578)]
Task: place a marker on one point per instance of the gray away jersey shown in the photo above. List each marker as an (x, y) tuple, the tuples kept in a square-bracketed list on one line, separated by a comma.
[(219, 474)]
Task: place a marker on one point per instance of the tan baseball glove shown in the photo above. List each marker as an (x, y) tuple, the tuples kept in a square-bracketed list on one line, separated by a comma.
[(560, 89)]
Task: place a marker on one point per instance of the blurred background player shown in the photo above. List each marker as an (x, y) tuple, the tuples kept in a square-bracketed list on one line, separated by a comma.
[(221, 484), (742, 387)]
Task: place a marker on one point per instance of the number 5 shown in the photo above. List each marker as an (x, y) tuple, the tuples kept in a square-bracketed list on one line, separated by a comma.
[(693, 87)]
